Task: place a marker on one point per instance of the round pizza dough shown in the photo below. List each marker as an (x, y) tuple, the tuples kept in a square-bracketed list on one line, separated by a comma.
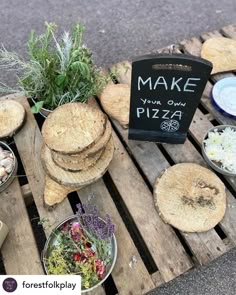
[(190, 197), (115, 100), (73, 127), (12, 115)]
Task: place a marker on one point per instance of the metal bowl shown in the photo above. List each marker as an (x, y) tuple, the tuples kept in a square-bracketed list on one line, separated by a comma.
[(11, 176), (52, 240), (211, 163)]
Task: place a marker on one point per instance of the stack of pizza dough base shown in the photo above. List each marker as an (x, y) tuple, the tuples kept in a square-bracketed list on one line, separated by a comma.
[(77, 150)]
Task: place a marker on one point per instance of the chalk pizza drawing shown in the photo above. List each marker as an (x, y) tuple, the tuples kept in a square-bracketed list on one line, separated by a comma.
[(169, 125)]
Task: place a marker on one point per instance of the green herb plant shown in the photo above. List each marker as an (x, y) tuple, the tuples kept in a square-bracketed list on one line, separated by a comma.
[(58, 71)]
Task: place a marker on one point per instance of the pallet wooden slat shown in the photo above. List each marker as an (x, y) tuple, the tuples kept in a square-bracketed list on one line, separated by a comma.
[(193, 46), (158, 236), (19, 256), (200, 245), (207, 103), (29, 141), (129, 278), (198, 129), (164, 246), (157, 279), (229, 31), (144, 154)]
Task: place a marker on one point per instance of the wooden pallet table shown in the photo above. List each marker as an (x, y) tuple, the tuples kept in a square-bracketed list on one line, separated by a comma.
[(150, 252)]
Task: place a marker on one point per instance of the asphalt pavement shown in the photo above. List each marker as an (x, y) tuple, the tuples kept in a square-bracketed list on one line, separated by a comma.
[(118, 30), (218, 278)]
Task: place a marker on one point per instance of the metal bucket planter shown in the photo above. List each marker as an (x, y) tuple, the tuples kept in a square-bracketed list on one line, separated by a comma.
[(43, 112), (11, 176), (52, 240)]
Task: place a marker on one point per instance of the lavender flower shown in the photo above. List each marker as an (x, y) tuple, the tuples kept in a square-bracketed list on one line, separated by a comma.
[(100, 229)]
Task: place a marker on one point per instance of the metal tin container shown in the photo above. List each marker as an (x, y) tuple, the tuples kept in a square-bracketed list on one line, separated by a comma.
[(52, 240), (11, 176), (211, 163)]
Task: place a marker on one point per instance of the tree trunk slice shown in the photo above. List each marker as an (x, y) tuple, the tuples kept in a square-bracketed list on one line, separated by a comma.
[(77, 165), (73, 127), (89, 152), (190, 197), (54, 192), (115, 100), (12, 115), (80, 178)]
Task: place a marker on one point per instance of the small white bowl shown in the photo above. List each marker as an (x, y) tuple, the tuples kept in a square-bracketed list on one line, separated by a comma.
[(224, 96), (215, 165)]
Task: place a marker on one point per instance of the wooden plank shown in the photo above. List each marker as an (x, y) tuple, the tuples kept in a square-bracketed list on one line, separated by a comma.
[(157, 279), (209, 117), (228, 244), (206, 102), (27, 194), (158, 236), (208, 35), (20, 254), (229, 31), (29, 141), (122, 70), (144, 153), (129, 278), (200, 246), (187, 153), (193, 46), (229, 218), (198, 129)]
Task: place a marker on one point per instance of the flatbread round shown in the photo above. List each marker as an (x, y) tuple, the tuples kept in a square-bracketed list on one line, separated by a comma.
[(190, 197), (12, 115), (73, 127), (115, 100), (80, 178)]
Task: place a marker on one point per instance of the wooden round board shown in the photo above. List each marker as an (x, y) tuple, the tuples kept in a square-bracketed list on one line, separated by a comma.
[(190, 197), (12, 115), (115, 100), (80, 178), (89, 152), (73, 127), (78, 164)]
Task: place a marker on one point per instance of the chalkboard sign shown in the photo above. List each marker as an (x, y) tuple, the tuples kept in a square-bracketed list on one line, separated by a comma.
[(165, 92)]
